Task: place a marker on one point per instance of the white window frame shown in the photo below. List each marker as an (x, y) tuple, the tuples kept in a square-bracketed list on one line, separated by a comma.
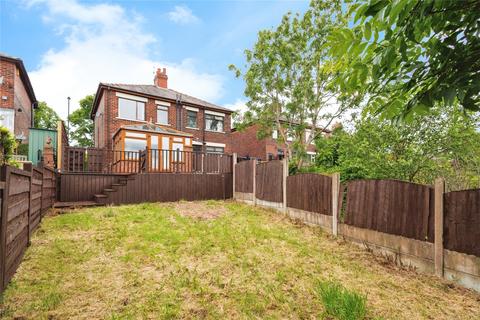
[(164, 109), (11, 121), (136, 110)]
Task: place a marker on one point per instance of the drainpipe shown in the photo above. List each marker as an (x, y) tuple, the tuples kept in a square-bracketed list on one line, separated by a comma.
[(178, 104)]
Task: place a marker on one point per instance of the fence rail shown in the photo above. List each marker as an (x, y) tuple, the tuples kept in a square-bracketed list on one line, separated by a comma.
[(94, 160)]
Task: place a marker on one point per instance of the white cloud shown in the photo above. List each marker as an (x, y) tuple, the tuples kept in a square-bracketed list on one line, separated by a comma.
[(182, 15), (105, 43), (239, 105)]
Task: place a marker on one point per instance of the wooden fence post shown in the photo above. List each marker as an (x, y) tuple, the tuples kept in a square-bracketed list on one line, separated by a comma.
[(439, 191), (234, 164), (335, 195), (285, 175), (29, 167), (254, 182)]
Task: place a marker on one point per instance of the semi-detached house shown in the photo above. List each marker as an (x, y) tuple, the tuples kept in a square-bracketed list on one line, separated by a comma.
[(131, 117)]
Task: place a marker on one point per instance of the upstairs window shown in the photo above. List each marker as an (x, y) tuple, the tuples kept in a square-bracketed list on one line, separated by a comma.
[(191, 119), (214, 122), (131, 109), (162, 114)]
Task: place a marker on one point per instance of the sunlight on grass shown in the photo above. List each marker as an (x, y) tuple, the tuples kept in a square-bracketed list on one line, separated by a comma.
[(161, 261)]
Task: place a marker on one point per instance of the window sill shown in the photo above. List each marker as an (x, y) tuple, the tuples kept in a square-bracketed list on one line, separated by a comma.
[(163, 124), (142, 121), (192, 128), (214, 131)]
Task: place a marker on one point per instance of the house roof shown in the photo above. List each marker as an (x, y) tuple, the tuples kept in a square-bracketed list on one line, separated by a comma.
[(23, 75), (155, 92), (150, 127)]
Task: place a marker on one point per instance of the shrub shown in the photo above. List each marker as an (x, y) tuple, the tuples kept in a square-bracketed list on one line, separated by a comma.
[(7, 145), (341, 303)]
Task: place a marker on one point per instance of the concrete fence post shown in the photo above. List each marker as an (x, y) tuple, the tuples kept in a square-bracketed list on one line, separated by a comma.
[(284, 181), (254, 182), (234, 164), (438, 240), (335, 195)]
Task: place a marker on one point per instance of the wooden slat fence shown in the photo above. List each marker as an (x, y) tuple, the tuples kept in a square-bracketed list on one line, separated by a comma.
[(14, 232), (269, 181), (83, 186), (462, 221), (244, 176), (163, 187), (310, 192), (49, 189), (390, 206), (36, 198)]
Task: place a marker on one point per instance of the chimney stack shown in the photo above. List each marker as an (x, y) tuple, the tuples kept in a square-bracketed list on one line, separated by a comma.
[(161, 78)]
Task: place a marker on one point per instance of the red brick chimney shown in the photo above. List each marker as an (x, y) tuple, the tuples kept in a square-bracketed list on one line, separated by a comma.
[(161, 78)]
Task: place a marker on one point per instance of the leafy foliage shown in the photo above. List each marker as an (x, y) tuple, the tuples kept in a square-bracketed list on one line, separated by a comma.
[(7, 145), (288, 78), (81, 122), (445, 143), (45, 117), (342, 303), (408, 55)]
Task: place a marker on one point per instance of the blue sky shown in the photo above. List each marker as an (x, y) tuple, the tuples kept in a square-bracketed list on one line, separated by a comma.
[(69, 46)]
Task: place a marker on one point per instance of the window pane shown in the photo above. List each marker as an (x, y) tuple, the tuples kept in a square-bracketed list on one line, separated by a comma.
[(140, 111), (214, 149), (7, 118), (177, 156), (135, 144), (191, 119), (162, 115), (127, 109), (214, 123)]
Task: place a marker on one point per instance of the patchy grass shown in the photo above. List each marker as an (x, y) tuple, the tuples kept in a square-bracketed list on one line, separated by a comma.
[(154, 261)]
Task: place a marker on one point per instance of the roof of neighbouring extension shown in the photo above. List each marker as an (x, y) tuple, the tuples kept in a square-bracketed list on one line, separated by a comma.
[(155, 92), (150, 127), (23, 75)]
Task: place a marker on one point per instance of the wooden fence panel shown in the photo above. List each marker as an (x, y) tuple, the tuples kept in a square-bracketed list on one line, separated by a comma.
[(462, 221), (310, 192), (244, 176), (83, 186), (269, 181), (391, 206), (14, 220), (49, 189), (36, 198)]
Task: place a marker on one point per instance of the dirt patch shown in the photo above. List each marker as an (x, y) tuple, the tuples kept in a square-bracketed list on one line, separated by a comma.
[(199, 210)]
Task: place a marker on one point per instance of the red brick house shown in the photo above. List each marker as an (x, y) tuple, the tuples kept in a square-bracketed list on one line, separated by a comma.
[(17, 99), (130, 117), (246, 144)]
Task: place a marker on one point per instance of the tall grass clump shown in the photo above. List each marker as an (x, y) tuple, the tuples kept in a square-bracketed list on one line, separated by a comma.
[(341, 303)]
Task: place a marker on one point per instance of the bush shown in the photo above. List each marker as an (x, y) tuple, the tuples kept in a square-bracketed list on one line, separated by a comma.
[(22, 149), (7, 145), (341, 303)]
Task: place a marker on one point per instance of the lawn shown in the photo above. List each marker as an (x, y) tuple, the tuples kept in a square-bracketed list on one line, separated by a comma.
[(213, 260)]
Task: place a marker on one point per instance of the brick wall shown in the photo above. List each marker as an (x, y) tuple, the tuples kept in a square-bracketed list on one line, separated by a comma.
[(13, 95), (111, 112)]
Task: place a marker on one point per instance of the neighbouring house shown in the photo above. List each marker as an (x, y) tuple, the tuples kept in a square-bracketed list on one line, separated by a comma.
[(247, 145), (131, 117), (17, 99)]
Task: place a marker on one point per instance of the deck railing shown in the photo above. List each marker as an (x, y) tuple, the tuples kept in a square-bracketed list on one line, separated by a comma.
[(96, 160)]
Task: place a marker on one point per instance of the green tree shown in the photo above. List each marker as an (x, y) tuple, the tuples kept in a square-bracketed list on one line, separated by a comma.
[(82, 125), (444, 143), (288, 76), (45, 117), (406, 56)]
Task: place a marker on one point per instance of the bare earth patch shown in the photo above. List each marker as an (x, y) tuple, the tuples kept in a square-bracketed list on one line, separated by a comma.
[(199, 210)]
